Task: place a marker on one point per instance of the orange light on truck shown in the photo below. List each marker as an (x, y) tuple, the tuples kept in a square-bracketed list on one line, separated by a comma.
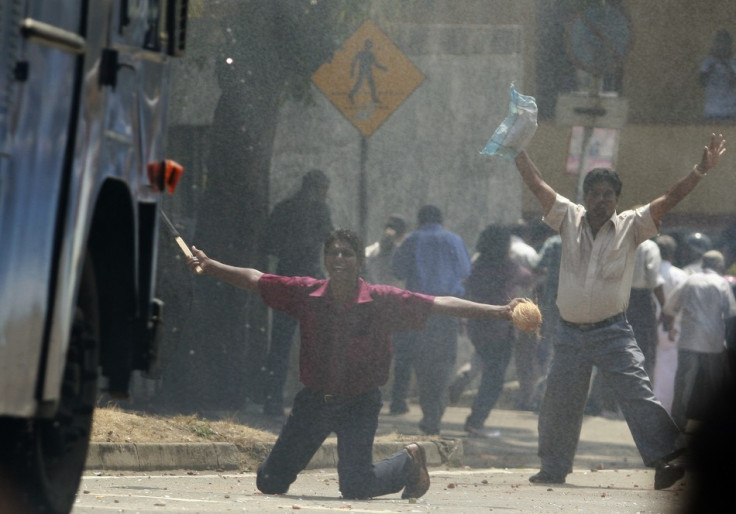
[(164, 175)]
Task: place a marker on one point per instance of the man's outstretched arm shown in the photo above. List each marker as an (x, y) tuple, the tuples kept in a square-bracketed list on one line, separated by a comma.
[(244, 278), (710, 157), (460, 308), (534, 181)]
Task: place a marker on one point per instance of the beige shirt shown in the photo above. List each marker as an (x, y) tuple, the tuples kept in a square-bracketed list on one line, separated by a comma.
[(647, 265), (596, 273), (705, 301)]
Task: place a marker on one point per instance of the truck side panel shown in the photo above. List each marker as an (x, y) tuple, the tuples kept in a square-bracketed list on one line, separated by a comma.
[(34, 141)]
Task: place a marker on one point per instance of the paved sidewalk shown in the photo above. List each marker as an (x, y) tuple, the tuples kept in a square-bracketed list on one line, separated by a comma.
[(604, 444)]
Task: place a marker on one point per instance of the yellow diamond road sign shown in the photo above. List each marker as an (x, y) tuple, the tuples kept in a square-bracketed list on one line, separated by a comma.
[(367, 78)]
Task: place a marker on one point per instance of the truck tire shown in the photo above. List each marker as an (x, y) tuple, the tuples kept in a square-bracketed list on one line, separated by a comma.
[(48, 456)]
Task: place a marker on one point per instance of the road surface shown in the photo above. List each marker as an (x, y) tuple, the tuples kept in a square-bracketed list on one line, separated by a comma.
[(452, 491)]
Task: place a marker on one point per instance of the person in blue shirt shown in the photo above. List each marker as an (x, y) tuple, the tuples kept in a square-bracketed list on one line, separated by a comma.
[(435, 261)]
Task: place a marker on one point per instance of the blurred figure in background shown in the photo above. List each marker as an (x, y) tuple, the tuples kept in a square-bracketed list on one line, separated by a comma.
[(712, 443), (295, 234), (727, 247), (549, 267), (378, 270), (695, 245), (718, 77), (525, 349), (433, 261), (379, 254), (663, 381), (646, 286), (495, 276), (705, 301)]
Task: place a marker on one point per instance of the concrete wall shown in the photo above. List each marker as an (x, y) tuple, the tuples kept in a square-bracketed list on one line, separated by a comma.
[(651, 158), (428, 149), (426, 152)]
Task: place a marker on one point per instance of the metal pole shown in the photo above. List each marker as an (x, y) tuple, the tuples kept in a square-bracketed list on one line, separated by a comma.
[(587, 138), (363, 187), (582, 166)]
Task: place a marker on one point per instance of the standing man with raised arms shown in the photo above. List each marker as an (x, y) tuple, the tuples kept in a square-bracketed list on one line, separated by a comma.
[(596, 268)]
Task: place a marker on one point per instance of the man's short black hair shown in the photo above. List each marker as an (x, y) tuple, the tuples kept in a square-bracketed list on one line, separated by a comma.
[(429, 214), (667, 246), (398, 223), (350, 237), (603, 175)]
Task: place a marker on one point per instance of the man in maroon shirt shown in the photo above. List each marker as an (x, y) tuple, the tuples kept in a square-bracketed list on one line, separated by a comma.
[(345, 355)]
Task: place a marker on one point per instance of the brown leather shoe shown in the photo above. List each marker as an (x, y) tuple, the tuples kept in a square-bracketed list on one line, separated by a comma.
[(418, 481)]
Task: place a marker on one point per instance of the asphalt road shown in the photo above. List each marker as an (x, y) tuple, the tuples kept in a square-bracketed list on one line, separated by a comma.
[(622, 491), (469, 474)]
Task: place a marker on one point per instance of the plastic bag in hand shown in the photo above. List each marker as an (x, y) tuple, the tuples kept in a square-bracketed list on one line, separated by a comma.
[(516, 130)]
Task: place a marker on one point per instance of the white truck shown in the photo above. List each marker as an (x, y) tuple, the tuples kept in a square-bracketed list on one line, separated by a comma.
[(83, 101)]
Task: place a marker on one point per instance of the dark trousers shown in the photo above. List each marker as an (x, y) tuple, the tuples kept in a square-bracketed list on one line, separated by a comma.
[(277, 361), (494, 343), (403, 342), (431, 353), (354, 421), (699, 378), (435, 352), (642, 316), (620, 361)]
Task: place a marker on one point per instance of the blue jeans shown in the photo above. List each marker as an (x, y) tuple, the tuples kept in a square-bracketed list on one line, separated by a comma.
[(614, 351), (354, 421)]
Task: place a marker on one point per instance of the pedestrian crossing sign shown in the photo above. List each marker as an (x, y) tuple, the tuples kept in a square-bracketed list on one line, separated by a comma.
[(367, 78)]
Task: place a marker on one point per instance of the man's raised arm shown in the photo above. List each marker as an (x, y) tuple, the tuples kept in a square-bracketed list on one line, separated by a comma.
[(534, 181), (710, 157)]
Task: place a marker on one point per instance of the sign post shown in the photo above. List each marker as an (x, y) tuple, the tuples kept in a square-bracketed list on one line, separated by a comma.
[(597, 41), (367, 79)]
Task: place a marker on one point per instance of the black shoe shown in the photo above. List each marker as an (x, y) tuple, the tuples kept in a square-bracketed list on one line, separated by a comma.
[(428, 431), (458, 385), (546, 478), (417, 482), (479, 433), (398, 411), (665, 475)]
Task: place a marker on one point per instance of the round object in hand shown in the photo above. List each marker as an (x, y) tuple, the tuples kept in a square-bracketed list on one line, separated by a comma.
[(527, 317)]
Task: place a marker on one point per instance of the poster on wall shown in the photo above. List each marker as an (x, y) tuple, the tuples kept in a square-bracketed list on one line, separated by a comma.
[(601, 149)]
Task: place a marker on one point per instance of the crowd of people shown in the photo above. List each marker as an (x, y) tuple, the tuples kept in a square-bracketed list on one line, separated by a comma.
[(384, 313)]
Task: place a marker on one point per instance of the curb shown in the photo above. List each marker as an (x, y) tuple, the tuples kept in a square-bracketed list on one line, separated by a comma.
[(161, 456), (227, 456)]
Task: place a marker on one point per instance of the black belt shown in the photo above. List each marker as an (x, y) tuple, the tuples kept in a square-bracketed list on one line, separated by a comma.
[(586, 327), (331, 399)]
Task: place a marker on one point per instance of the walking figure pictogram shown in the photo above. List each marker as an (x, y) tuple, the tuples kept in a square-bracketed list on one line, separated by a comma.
[(366, 60)]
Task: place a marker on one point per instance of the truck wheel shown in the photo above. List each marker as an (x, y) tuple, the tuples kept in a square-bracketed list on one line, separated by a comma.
[(49, 454)]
